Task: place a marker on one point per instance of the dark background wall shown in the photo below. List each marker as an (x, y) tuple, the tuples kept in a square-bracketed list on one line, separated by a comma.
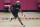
[(25, 4)]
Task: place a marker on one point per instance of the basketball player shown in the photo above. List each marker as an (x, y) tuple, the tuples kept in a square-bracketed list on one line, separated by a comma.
[(16, 8)]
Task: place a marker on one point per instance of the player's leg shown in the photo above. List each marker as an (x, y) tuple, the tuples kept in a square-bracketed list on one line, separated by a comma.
[(12, 18), (15, 16), (21, 22)]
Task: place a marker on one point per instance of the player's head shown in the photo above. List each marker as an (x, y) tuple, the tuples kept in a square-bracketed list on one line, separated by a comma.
[(18, 2)]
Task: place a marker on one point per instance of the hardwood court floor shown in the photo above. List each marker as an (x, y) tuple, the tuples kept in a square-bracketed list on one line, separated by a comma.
[(15, 23)]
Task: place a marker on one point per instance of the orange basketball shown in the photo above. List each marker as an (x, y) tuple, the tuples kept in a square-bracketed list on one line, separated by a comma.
[(23, 15)]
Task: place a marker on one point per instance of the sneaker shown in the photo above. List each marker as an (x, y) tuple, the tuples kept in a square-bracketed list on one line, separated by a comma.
[(23, 25), (10, 18)]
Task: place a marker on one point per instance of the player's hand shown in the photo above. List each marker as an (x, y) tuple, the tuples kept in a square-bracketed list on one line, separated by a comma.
[(23, 15)]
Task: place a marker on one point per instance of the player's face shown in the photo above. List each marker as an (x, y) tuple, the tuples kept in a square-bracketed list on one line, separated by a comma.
[(18, 3)]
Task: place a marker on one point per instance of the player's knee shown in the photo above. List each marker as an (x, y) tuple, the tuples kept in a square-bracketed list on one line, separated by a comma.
[(14, 17), (18, 18)]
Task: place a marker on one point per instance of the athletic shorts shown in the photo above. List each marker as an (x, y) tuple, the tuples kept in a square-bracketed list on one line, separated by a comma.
[(15, 14)]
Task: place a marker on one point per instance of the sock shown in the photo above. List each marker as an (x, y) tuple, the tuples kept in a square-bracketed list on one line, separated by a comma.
[(11, 18), (22, 23)]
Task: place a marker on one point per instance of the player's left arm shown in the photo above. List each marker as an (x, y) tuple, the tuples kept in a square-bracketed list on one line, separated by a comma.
[(20, 9)]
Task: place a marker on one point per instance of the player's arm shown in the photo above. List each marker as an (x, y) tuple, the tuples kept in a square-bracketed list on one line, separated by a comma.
[(20, 10), (10, 7)]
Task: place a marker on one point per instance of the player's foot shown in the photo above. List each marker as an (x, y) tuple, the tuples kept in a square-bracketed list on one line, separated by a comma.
[(23, 25), (10, 18)]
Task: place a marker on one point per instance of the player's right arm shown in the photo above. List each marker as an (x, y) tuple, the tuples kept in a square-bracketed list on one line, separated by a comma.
[(10, 7)]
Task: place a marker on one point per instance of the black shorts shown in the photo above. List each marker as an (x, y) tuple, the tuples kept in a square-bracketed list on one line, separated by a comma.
[(15, 14)]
